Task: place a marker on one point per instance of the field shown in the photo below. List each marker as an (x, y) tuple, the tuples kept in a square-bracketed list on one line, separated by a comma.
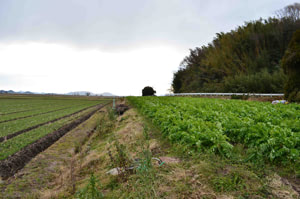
[(24, 120), (267, 132), (63, 147)]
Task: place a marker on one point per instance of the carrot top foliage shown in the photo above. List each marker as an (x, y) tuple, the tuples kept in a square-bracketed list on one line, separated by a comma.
[(268, 133)]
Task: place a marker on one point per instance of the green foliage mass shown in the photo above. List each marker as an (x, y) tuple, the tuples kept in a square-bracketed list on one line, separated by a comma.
[(291, 66), (269, 133), (246, 59)]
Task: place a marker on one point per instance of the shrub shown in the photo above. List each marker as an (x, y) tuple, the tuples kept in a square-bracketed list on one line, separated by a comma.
[(148, 91)]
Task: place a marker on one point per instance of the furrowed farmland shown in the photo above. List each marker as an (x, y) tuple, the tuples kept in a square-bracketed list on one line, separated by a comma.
[(26, 121), (267, 132), (148, 147)]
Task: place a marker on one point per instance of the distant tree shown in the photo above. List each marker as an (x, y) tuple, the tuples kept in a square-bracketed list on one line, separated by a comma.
[(291, 66), (148, 91), (290, 11), (88, 93)]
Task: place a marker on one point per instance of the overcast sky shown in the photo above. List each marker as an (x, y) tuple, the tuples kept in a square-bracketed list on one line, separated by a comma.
[(116, 46)]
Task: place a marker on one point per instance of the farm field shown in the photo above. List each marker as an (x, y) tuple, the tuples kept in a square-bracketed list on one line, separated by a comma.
[(209, 148), (267, 132), (26, 119)]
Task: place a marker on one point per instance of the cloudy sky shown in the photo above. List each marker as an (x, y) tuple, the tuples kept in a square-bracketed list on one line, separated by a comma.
[(116, 46)]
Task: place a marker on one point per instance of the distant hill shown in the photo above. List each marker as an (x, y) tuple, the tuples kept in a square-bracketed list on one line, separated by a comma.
[(80, 93), (83, 93), (15, 92), (106, 94)]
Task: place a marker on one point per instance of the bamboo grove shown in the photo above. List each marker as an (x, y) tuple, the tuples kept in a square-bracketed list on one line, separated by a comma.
[(247, 59)]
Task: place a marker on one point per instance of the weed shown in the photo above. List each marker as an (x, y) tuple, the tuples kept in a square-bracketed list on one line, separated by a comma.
[(124, 118), (78, 147), (120, 159), (111, 114), (144, 182), (232, 182), (113, 184), (72, 176), (91, 191)]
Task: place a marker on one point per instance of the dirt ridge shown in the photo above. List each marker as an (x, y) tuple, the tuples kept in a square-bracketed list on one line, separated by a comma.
[(14, 163)]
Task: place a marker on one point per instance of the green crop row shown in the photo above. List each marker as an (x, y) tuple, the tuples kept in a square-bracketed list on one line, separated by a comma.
[(16, 105), (18, 125), (269, 132), (17, 143), (28, 113)]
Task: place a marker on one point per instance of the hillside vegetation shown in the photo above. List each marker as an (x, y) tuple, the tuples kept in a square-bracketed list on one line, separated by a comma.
[(247, 59)]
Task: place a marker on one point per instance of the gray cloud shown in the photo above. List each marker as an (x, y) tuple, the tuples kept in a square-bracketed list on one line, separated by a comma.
[(114, 25)]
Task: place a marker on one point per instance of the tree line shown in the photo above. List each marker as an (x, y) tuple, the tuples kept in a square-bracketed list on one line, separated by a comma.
[(247, 59)]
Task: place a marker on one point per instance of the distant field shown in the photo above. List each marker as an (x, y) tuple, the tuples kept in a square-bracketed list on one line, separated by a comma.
[(266, 132), (25, 119)]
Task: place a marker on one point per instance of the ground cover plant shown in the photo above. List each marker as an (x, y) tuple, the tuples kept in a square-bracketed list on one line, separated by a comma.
[(267, 133)]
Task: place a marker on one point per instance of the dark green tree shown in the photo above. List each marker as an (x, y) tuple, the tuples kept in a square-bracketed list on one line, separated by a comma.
[(291, 66), (148, 91), (246, 59)]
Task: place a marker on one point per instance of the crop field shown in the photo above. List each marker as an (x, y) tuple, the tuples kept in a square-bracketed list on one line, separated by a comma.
[(26, 119), (267, 132)]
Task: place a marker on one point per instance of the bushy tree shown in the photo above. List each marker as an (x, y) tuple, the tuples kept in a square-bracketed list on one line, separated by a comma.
[(291, 66), (245, 59), (148, 91)]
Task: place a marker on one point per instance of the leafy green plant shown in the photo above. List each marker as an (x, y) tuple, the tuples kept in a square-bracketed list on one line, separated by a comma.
[(269, 133)]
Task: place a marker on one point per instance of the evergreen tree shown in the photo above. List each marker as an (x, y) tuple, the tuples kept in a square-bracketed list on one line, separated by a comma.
[(148, 91)]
